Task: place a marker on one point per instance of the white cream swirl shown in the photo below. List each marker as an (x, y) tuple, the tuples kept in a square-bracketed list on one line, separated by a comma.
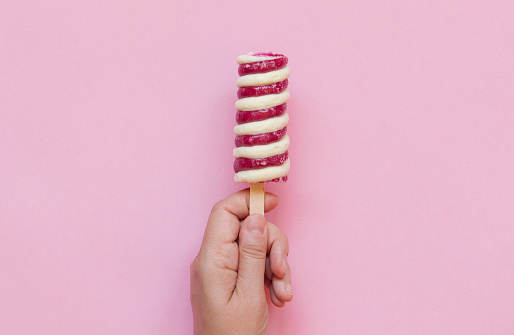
[(263, 151), (266, 78), (260, 127), (251, 58), (267, 173), (264, 101)]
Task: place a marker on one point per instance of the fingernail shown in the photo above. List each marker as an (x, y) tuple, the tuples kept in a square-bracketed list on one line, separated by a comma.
[(284, 265), (289, 289), (256, 224)]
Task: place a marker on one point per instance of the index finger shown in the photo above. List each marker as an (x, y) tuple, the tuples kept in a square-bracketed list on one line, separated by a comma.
[(224, 222)]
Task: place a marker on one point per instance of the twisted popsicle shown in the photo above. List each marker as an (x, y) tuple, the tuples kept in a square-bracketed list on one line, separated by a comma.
[(261, 144)]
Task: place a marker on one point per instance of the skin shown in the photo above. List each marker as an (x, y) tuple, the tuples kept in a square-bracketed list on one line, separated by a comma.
[(234, 265)]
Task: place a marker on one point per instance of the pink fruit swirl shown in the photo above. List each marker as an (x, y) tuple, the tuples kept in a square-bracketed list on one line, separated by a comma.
[(263, 83)]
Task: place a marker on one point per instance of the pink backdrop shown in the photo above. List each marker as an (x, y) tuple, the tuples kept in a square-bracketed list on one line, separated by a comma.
[(116, 139)]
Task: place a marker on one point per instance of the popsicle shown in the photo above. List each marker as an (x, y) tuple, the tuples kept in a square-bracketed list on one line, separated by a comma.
[(261, 153)]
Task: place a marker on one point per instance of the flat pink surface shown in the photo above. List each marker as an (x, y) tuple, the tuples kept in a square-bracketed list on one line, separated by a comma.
[(116, 137)]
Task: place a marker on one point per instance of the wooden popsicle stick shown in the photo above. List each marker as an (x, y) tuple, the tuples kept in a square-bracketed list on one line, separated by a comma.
[(257, 198)]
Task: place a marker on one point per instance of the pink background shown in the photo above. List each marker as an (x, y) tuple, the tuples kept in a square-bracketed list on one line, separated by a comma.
[(116, 139)]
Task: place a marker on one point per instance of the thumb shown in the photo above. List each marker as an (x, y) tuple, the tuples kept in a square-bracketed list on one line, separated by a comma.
[(253, 240)]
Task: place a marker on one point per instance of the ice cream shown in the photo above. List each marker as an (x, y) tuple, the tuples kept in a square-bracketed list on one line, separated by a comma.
[(261, 133)]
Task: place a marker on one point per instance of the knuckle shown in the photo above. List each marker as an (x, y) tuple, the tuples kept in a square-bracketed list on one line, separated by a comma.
[(194, 268), (286, 244), (253, 251), (198, 266), (283, 242), (281, 239), (280, 247), (217, 206)]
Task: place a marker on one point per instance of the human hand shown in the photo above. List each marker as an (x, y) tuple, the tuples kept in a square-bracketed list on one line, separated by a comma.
[(235, 262)]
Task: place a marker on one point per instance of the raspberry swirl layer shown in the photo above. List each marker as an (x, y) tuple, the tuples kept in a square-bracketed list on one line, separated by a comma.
[(260, 139), (257, 91), (243, 164), (262, 143), (261, 114)]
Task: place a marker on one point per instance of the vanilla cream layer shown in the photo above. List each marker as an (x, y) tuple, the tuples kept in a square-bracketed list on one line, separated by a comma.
[(250, 58), (258, 175), (259, 79), (263, 151), (265, 101), (259, 127)]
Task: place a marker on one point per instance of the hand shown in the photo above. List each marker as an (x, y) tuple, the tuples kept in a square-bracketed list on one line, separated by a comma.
[(235, 262)]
